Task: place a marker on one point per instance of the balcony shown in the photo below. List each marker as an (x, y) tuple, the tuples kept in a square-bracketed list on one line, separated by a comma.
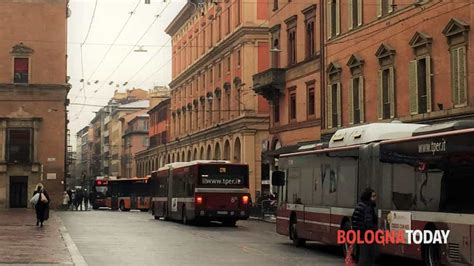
[(270, 83)]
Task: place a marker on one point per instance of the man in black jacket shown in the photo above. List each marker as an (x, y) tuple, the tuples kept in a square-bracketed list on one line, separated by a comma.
[(364, 218)]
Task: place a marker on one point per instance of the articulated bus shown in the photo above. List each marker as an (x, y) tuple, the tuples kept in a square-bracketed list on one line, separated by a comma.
[(423, 176), (201, 191), (124, 194)]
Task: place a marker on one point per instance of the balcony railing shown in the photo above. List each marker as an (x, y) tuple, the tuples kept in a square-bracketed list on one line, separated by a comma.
[(270, 83)]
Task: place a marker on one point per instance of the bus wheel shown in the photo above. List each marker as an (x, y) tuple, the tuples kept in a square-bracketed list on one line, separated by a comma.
[(184, 217), (231, 223), (294, 235), (122, 206), (431, 255), (143, 210), (95, 207)]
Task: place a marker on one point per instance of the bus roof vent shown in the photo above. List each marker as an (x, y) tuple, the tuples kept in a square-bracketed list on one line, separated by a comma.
[(372, 133), (444, 127)]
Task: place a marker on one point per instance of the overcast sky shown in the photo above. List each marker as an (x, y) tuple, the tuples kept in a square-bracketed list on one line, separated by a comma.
[(121, 64)]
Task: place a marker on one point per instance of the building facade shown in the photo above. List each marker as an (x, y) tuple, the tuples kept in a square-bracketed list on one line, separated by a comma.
[(83, 157), (217, 47), (408, 62), (33, 95), (135, 139), (292, 82), (156, 154)]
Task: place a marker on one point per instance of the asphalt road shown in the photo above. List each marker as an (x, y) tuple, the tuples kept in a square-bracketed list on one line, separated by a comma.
[(106, 237)]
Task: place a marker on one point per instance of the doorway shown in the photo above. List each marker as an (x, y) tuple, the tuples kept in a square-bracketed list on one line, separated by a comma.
[(18, 191)]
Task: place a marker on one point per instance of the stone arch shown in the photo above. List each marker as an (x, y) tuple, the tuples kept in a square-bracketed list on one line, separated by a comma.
[(201, 154), (226, 150), (237, 151), (195, 154), (189, 158), (217, 151), (209, 152)]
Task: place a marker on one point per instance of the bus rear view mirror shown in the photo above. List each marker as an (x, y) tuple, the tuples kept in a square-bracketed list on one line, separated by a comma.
[(278, 178)]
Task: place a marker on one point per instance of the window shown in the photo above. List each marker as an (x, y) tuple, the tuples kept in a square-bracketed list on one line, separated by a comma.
[(356, 100), (228, 65), (419, 74), (459, 76), (276, 110), (292, 106), (384, 7), (311, 100), (19, 148), (239, 10), (219, 71), (355, 13), (275, 49), (335, 104), (386, 93), (292, 46), (333, 18), (219, 30), (228, 21), (203, 40), (21, 70), (291, 32), (275, 5), (310, 51), (211, 75), (238, 59)]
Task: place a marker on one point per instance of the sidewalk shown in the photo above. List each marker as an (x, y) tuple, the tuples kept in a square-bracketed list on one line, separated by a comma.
[(266, 218), (21, 241)]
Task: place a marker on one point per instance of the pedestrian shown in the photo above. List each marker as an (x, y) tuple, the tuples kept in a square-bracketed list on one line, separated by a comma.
[(73, 200), (66, 201), (69, 193), (80, 197), (42, 205), (364, 219), (86, 199)]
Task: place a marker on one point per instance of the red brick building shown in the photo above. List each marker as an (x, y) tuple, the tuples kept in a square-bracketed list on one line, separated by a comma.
[(33, 96), (292, 83), (405, 60)]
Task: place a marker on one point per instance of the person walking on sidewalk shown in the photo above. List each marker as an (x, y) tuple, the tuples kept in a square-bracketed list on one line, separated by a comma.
[(66, 201), (42, 206), (364, 219)]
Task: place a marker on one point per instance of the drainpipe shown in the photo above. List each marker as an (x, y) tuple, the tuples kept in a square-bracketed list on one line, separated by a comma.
[(322, 61)]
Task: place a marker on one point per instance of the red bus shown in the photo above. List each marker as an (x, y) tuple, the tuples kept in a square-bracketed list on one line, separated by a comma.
[(124, 194), (201, 191), (423, 175)]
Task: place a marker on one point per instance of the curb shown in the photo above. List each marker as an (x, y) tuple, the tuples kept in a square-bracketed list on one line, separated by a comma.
[(262, 219), (76, 256)]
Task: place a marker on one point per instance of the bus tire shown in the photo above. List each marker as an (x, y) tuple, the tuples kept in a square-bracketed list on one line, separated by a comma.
[(184, 216), (431, 255), (299, 242), (230, 223), (143, 210), (95, 207)]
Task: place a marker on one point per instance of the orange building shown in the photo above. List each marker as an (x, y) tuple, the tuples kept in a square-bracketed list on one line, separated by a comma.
[(292, 83), (217, 47), (156, 154), (405, 60), (33, 96)]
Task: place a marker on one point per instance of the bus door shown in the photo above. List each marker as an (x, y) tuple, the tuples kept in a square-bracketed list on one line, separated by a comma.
[(114, 196), (133, 201)]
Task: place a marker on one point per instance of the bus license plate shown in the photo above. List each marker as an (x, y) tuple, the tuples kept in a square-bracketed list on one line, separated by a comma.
[(222, 212)]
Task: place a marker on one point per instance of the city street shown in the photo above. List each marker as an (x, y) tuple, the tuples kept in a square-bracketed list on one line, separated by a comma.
[(133, 238)]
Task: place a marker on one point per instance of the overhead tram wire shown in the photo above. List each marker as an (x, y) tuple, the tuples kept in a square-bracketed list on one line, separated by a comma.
[(131, 50), (82, 58), (123, 59), (115, 40)]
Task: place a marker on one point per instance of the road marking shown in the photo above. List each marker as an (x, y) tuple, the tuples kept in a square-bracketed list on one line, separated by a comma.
[(76, 256)]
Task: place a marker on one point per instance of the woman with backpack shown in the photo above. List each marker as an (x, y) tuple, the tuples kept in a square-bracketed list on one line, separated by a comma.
[(41, 205)]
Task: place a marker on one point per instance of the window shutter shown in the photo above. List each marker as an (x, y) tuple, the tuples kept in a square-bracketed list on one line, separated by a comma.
[(351, 101), (329, 33), (413, 86), (390, 6), (350, 20), (339, 105), (338, 17), (429, 100), (379, 8), (329, 106), (380, 95), (462, 75), (391, 90), (454, 77), (359, 12), (361, 99)]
